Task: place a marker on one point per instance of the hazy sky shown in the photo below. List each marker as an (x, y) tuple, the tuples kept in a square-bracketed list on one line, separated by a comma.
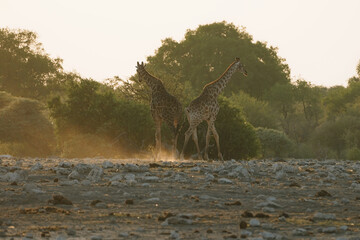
[(320, 39)]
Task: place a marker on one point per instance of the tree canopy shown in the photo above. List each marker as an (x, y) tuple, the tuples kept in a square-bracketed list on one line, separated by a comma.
[(25, 69), (205, 53)]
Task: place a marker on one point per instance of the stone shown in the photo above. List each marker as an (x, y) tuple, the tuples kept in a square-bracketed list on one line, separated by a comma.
[(268, 235), (107, 164), (37, 166), (300, 232), (329, 230), (174, 234), (95, 174), (225, 181), (83, 169), (32, 188), (64, 165), (254, 222), (324, 216), (75, 175)]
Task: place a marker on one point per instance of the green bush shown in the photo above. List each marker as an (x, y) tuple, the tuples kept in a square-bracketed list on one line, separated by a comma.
[(25, 129), (274, 143), (353, 153), (90, 110), (257, 112)]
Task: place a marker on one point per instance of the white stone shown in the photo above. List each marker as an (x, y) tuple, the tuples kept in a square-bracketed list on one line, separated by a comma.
[(324, 216), (64, 165), (344, 228), (37, 166), (116, 177), (152, 200), (151, 179), (74, 175), (107, 164), (329, 230), (174, 234), (268, 235), (254, 222), (32, 188), (83, 168), (209, 177), (225, 181), (85, 182), (95, 174), (300, 232)]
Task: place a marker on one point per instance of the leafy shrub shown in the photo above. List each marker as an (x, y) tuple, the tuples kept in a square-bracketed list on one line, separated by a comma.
[(274, 143), (25, 130), (257, 112), (353, 153), (92, 111)]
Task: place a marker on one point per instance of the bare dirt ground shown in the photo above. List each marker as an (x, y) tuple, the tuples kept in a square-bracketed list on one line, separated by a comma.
[(58, 198)]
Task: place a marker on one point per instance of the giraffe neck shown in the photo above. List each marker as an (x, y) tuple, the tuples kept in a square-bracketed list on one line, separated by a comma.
[(154, 83), (217, 86)]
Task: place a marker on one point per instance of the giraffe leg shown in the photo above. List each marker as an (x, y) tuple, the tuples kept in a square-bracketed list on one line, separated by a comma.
[(216, 136), (188, 133), (195, 138), (158, 140), (208, 136), (174, 150)]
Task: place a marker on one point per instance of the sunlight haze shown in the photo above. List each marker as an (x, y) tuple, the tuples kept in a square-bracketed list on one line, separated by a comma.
[(320, 40)]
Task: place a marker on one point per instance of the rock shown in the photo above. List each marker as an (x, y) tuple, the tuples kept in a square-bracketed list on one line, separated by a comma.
[(254, 222), (178, 220), (71, 232), (95, 174), (96, 238), (243, 225), (324, 216), (32, 188), (17, 176), (129, 201), (322, 193), (75, 175), (344, 228), (300, 232), (85, 182), (152, 200), (268, 209), (107, 164), (116, 177), (64, 165), (268, 235), (209, 177), (63, 171), (124, 234), (69, 182), (151, 179), (245, 234), (59, 199), (83, 169), (174, 234), (135, 168), (329, 230), (225, 181), (37, 166)]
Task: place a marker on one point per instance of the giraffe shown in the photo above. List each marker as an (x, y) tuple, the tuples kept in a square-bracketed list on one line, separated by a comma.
[(164, 108), (205, 108)]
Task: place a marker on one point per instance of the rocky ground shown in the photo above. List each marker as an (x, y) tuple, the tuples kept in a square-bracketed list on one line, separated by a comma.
[(58, 198)]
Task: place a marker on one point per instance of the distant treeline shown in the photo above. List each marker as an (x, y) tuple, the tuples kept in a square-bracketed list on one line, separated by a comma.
[(266, 114)]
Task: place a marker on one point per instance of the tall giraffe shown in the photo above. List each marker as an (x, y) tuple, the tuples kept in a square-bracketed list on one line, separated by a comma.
[(164, 108), (205, 108)]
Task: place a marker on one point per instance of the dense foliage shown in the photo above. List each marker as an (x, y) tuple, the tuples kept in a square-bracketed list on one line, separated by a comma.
[(264, 114)]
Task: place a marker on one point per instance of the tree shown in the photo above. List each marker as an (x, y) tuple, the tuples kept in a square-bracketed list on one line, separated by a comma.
[(25, 69), (205, 53)]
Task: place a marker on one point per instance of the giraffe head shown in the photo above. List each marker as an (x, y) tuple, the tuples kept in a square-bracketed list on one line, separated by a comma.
[(140, 69), (240, 67)]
